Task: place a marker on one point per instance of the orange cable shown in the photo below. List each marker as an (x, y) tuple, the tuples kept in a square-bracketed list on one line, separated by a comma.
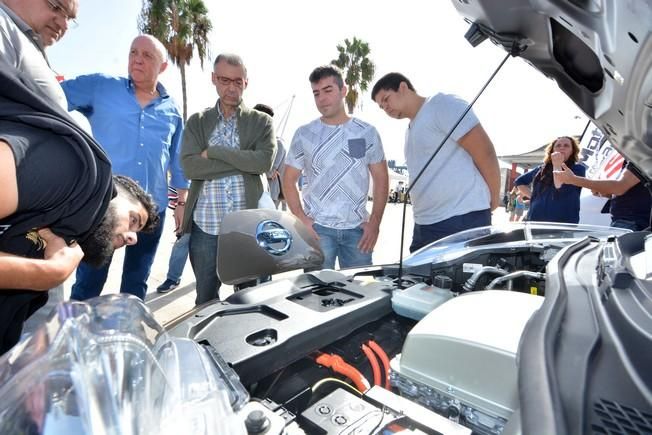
[(338, 365), (383, 357), (375, 367)]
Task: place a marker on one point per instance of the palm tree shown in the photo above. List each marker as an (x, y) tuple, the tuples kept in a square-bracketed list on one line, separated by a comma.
[(358, 69), (183, 27)]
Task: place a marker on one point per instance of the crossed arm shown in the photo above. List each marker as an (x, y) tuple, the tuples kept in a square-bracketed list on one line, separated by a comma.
[(16, 272), (201, 162)]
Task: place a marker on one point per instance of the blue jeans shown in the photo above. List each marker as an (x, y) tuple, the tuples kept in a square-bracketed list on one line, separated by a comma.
[(178, 258), (343, 245), (135, 269), (426, 234), (203, 258), (629, 224)]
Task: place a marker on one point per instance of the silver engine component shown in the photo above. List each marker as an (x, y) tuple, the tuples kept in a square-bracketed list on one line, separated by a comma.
[(460, 360)]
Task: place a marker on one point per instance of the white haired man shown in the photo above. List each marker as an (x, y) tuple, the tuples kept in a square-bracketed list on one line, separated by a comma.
[(140, 128)]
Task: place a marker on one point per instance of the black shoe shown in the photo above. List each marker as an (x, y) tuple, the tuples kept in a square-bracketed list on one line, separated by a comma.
[(167, 286)]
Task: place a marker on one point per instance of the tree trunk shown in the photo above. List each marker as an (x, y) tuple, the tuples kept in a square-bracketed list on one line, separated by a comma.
[(182, 68), (351, 99)]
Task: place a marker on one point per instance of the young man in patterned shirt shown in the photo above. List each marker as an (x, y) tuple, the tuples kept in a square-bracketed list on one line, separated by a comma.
[(337, 153)]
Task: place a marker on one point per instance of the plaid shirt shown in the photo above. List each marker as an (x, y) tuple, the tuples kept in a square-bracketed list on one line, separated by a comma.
[(224, 195)]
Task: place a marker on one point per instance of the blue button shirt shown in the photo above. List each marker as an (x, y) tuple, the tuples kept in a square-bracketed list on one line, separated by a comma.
[(549, 204), (142, 143)]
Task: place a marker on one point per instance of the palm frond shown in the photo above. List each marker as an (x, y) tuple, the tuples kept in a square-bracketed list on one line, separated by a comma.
[(183, 26), (358, 69)]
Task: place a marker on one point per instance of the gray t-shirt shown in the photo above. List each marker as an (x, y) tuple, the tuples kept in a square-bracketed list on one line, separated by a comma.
[(452, 185), (17, 50), (335, 160)]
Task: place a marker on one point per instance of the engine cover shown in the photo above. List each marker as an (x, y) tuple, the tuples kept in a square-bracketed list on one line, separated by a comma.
[(460, 360)]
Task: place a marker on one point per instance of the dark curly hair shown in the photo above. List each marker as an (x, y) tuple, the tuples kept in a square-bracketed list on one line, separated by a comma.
[(136, 193)]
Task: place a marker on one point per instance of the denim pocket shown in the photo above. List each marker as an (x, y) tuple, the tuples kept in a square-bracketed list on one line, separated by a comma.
[(357, 148)]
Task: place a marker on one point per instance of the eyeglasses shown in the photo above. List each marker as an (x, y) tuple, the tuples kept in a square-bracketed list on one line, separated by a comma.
[(58, 8), (227, 81)]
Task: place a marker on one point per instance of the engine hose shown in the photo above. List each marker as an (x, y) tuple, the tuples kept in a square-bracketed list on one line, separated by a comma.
[(383, 357), (511, 276), (373, 361), (338, 365), (470, 283)]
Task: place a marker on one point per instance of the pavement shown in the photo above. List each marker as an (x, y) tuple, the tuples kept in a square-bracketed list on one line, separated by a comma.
[(169, 306)]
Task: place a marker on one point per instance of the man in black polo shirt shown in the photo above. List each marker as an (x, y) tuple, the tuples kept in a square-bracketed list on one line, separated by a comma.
[(57, 192), (630, 198)]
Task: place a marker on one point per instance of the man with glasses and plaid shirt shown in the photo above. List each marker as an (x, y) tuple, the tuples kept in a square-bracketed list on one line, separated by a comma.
[(27, 27), (225, 150)]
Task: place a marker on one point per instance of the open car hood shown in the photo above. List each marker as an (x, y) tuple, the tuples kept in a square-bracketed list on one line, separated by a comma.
[(598, 51)]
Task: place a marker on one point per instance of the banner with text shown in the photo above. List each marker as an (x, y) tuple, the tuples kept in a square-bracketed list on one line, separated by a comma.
[(602, 162)]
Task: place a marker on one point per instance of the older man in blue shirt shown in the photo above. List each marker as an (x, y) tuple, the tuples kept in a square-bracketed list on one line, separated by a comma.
[(139, 126)]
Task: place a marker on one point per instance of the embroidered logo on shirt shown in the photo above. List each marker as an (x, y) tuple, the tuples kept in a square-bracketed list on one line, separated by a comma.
[(34, 237)]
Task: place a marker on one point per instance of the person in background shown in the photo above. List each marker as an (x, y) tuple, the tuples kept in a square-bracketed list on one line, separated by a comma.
[(511, 203), (275, 174), (140, 127), (337, 154), (630, 199), (226, 149), (179, 254), (547, 202), (461, 186), (519, 208)]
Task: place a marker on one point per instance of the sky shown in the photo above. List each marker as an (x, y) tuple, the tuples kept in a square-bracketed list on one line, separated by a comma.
[(282, 42)]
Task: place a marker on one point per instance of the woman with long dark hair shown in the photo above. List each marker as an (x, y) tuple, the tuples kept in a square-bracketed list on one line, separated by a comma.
[(547, 202)]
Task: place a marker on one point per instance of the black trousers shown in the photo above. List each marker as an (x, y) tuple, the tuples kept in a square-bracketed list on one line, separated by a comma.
[(15, 307)]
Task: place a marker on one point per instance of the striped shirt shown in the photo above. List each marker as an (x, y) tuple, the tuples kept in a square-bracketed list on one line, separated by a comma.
[(335, 160), (224, 195)]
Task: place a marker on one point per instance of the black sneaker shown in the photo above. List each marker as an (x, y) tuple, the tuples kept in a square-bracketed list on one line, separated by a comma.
[(167, 286)]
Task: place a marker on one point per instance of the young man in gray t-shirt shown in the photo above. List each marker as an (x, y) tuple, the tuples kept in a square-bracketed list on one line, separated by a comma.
[(336, 154), (461, 186)]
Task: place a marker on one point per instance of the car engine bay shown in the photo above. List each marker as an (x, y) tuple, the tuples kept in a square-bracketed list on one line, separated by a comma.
[(447, 342)]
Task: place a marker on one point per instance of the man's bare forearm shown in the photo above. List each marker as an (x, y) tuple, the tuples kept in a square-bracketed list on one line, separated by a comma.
[(477, 143), (380, 179), (605, 187), (20, 273)]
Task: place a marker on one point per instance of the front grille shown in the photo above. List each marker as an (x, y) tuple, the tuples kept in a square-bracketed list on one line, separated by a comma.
[(616, 418)]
